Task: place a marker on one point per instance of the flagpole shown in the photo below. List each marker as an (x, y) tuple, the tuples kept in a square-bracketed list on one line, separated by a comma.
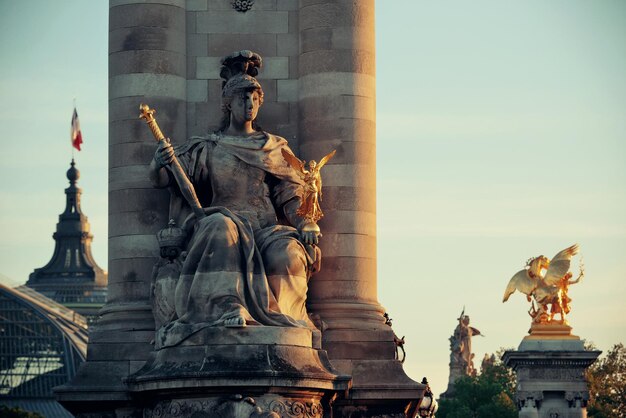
[(71, 144)]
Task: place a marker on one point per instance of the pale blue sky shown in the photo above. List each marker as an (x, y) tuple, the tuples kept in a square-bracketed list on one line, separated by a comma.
[(501, 136)]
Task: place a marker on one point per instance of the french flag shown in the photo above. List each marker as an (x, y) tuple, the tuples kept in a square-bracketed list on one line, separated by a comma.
[(76, 135)]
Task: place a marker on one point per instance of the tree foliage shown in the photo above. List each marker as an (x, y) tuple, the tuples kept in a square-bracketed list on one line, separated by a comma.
[(15, 412), (607, 385), (490, 394)]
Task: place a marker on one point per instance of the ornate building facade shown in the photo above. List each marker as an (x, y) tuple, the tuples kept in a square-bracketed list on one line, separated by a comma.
[(72, 277)]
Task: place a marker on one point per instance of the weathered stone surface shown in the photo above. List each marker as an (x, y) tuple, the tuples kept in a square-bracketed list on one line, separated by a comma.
[(146, 38), (145, 84), (197, 90), (250, 22), (264, 44), (133, 200), (157, 62), (133, 246)]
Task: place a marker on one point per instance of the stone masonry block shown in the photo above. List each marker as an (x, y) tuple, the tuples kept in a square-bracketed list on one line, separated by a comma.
[(197, 90), (129, 290), (147, 84), (351, 289), (208, 68), (338, 107), (249, 22), (343, 268), (359, 38), (337, 84), (177, 3), (144, 222), (273, 113), (348, 198), (349, 175), (190, 23), (147, 15), (349, 61), (315, 39), (131, 246), (221, 44), (287, 90), (269, 89), (134, 176), (147, 61), (132, 269), (287, 44), (131, 153), (146, 38), (336, 14), (347, 129), (348, 245), (196, 5), (132, 200), (353, 222), (287, 5), (275, 67), (197, 45)]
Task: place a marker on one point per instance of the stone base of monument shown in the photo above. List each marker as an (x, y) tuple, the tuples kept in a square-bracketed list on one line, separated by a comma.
[(550, 364), (239, 372)]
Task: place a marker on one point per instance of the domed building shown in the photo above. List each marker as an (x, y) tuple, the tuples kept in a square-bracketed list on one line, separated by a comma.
[(72, 277), (42, 343)]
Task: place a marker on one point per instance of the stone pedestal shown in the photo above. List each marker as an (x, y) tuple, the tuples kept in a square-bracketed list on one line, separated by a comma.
[(239, 372), (550, 365)]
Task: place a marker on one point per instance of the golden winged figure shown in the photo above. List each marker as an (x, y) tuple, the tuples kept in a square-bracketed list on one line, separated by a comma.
[(549, 290), (310, 173)]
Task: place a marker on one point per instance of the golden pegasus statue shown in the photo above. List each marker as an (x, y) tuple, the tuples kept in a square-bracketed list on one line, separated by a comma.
[(547, 292)]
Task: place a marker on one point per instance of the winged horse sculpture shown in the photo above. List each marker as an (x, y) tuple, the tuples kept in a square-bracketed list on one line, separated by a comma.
[(547, 292)]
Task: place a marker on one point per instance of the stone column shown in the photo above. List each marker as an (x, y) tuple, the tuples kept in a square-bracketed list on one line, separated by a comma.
[(147, 63), (337, 110)]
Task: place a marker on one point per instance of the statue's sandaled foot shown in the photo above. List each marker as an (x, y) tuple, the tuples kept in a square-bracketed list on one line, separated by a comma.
[(235, 322)]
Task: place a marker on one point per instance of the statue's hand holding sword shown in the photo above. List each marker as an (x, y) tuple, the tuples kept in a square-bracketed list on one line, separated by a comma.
[(168, 157)]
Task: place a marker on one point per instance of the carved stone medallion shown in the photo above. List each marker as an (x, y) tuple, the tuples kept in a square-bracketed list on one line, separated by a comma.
[(242, 5)]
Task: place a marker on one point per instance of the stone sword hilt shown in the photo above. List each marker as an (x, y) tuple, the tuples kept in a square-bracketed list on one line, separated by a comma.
[(184, 184)]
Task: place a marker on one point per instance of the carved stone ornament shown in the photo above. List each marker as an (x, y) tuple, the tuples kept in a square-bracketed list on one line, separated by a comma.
[(242, 5), (236, 406), (555, 413)]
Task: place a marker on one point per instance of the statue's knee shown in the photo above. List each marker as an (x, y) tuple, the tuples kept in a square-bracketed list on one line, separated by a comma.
[(220, 226), (287, 258)]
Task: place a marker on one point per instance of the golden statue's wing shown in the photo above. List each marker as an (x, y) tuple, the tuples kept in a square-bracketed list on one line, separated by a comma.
[(325, 159), (293, 161), (520, 281), (559, 265)]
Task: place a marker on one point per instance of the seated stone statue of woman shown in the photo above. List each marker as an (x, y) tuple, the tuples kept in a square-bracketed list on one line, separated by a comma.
[(246, 261)]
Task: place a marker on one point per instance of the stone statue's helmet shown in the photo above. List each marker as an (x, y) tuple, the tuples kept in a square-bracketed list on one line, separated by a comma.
[(238, 71)]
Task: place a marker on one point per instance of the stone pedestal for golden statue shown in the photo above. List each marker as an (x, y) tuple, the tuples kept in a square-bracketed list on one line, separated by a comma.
[(550, 362), (550, 365)]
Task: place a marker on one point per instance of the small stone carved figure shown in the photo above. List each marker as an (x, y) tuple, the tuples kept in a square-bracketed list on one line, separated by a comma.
[(488, 361), (548, 291), (310, 207), (248, 259), (461, 345)]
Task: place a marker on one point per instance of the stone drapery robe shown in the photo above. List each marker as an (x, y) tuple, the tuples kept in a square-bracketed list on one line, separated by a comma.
[(242, 259)]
